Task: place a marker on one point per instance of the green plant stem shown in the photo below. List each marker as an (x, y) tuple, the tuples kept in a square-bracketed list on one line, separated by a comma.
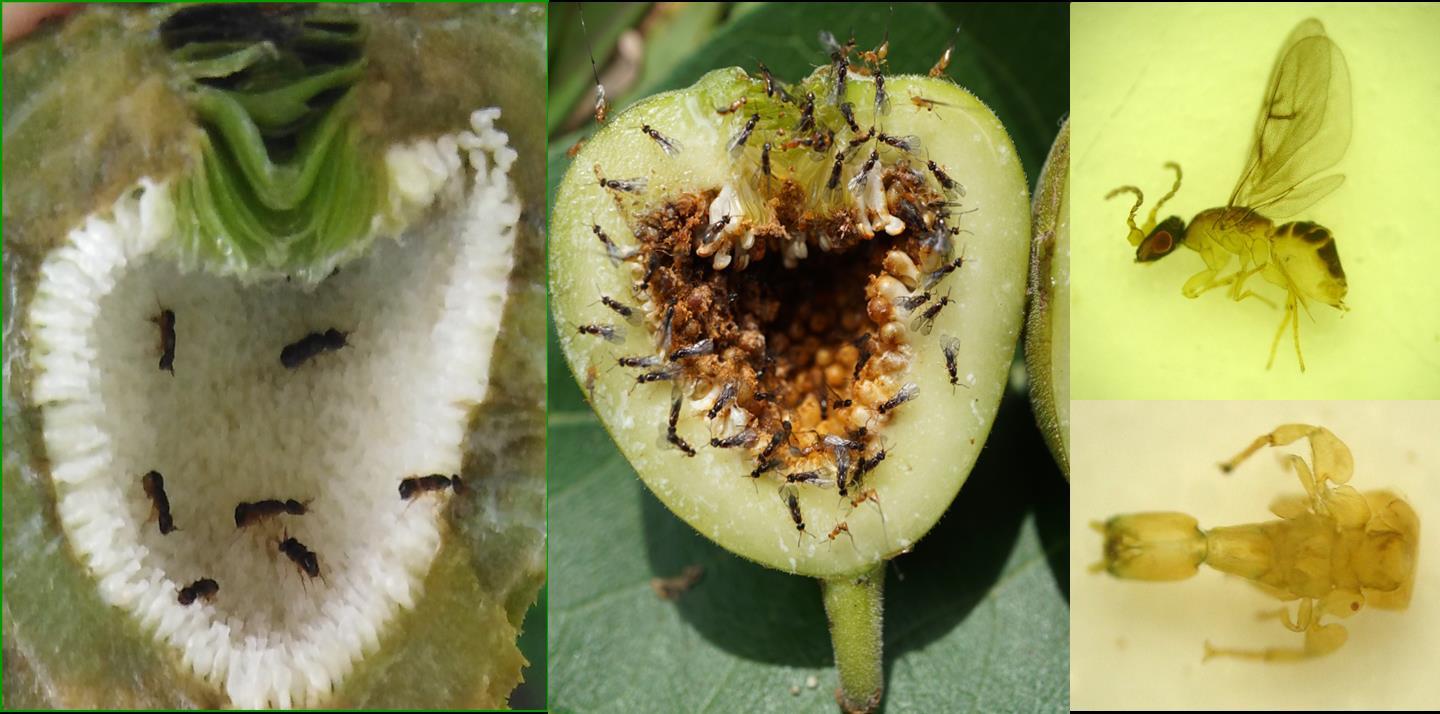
[(855, 606)]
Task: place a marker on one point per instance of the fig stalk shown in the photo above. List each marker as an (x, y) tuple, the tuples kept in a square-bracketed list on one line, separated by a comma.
[(855, 608)]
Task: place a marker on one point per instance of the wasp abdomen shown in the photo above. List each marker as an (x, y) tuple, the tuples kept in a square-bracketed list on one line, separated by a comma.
[(1311, 262), (1321, 242)]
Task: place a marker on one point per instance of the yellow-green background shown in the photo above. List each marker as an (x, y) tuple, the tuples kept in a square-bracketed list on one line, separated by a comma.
[(1151, 84)]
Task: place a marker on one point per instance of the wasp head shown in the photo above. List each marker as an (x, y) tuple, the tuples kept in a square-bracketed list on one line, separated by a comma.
[(1162, 241)]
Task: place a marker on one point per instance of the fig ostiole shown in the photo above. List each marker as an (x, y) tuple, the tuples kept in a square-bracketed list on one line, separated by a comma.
[(796, 318)]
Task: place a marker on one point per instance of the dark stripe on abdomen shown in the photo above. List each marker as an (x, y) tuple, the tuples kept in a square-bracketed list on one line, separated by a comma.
[(1324, 243), (1331, 257)]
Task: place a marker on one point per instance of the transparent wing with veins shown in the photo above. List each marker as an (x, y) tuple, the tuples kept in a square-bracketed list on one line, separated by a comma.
[(1303, 128)]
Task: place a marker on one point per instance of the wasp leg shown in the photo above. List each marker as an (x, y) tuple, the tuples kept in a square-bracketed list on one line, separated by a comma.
[(1307, 479), (1216, 259), (1240, 277), (1302, 620), (1328, 454), (1257, 296), (1204, 281), (1346, 506), (1319, 640), (1201, 282), (1295, 324), (1290, 507), (1289, 316)]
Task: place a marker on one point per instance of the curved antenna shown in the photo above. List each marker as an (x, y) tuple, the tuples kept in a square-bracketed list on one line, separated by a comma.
[(1138, 233)]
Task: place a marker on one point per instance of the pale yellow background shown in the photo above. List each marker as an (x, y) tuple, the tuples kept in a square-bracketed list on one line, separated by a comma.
[(1139, 644), (1151, 84)]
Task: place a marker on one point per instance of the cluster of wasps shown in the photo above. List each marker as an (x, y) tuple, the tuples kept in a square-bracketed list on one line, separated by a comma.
[(250, 513), (797, 126)]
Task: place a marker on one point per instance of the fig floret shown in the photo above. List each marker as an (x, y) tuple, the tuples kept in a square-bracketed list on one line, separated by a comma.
[(783, 336)]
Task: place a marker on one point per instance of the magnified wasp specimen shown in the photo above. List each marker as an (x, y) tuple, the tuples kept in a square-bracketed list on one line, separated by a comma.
[(1334, 549), (1303, 129)]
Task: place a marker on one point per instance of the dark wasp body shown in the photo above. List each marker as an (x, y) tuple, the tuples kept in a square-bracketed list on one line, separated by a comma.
[(671, 434), (703, 347), (744, 438), (606, 332), (166, 321), (620, 308), (308, 347), (154, 485), (247, 514), (202, 589), (951, 347), (744, 134), (302, 557), (416, 485), (861, 343), (669, 146), (926, 321), (905, 394)]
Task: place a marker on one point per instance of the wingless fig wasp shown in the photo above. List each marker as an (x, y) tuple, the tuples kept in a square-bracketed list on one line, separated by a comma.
[(1334, 549)]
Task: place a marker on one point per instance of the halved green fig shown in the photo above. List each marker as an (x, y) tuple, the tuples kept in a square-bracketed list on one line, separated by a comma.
[(272, 255), (1047, 324), (794, 308)]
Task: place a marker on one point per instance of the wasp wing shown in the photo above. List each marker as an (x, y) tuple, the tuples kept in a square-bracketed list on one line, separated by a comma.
[(1303, 129)]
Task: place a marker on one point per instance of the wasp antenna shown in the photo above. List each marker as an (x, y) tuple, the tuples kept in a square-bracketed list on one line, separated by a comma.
[(1136, 235), (601, 105), (944, 62), (1154, 210)]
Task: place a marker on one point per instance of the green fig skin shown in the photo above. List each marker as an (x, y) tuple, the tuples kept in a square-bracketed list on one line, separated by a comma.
[(1047, 324)]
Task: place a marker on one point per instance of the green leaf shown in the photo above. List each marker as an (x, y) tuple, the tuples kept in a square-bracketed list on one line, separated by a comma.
[(977, 616), (570, 73), (670, 40)]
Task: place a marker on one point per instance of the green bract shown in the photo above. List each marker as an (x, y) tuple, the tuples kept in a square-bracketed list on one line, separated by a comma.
[(285, 184), (249, 176)]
